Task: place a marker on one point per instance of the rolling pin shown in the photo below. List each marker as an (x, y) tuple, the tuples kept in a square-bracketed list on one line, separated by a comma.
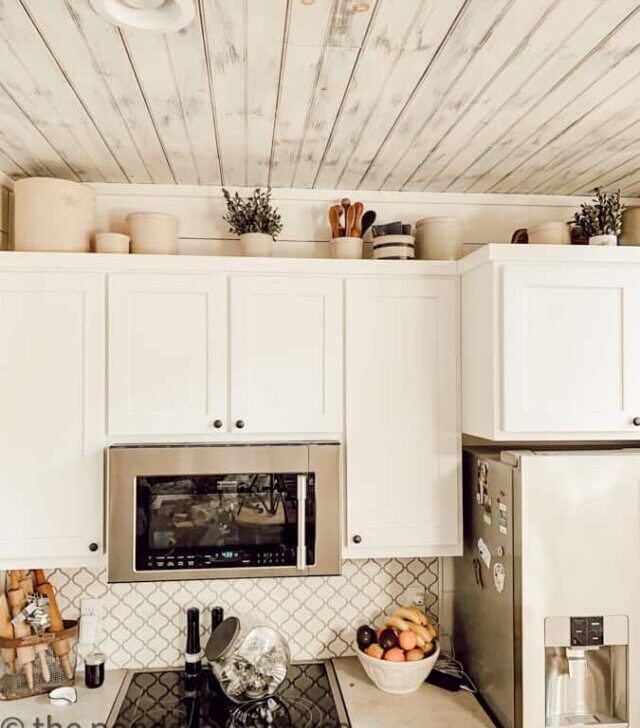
[(17, 600), (26, 584), (6, 631), (61, 647)]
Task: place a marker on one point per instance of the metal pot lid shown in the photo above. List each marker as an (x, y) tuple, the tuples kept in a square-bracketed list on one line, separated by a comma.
[(222, 639)]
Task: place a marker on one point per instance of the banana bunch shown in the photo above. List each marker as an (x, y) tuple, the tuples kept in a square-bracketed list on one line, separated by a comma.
[(412, 619)]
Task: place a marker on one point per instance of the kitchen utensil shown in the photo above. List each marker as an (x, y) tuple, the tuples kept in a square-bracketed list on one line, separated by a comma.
[(356, 228), (6, 631), (60, 648), (17, 600), (346, 204), (398, 678), (350, 216), (368, 219), (26, 584), (153, 232), (334, 220)]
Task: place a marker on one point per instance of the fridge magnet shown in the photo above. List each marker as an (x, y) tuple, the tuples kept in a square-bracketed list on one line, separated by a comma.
[(499, 576), (502, 517), (482, 493), (485, 553)]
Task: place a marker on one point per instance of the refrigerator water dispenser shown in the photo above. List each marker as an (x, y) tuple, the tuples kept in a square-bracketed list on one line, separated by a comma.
[(586, 671)]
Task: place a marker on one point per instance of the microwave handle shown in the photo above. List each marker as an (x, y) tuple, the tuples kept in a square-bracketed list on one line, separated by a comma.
[(301, 560)]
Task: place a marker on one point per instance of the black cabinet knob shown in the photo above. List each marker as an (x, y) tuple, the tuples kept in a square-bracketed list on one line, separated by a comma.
[(357, 539), (239, 424), (93, 546), (217, 424), (636, 421)]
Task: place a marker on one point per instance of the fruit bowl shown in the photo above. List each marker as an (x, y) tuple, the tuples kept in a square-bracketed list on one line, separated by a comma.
[(398, 678)]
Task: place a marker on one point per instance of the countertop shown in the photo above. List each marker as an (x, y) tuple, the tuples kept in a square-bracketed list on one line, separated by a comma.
[(368, 707), (91, 710)]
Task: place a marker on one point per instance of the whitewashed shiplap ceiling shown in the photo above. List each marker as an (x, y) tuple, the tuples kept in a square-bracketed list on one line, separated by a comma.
[(458, 95)]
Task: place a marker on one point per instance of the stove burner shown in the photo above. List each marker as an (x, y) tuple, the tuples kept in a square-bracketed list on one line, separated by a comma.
[(274, 713)]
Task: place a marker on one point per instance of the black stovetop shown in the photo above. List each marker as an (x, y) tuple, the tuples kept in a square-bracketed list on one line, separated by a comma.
[(169, 699)]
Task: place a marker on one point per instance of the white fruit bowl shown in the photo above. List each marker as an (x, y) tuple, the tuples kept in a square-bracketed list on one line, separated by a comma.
[(398, 678)]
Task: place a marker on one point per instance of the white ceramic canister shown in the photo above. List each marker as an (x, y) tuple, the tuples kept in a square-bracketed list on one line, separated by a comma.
[(153, 233), (53, 215), (550, 233), (111, 243), (256, 245), (603, 240), (439, 238), (346, 248), (630, 226)]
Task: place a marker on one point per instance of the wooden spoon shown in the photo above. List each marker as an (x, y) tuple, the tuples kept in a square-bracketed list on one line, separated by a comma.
[(334, 220), (356, 231), (350, 216)]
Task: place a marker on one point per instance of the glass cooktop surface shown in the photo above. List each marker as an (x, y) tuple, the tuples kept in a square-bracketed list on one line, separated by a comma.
[(168, 699)]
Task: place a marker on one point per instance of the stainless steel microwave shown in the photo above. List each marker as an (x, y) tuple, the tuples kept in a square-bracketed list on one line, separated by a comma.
[(223, 511)]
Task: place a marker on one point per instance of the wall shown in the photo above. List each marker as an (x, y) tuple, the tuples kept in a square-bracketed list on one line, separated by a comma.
[(144, 624), (5, 200)]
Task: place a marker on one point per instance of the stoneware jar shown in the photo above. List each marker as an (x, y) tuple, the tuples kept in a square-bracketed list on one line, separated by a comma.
[(346, 247), (256, 244), (111, 243), (153, 233), (439, 238), (550, 233), (630, 226)]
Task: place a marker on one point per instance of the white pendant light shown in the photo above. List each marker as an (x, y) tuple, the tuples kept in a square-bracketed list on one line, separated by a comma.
[(160, 15)]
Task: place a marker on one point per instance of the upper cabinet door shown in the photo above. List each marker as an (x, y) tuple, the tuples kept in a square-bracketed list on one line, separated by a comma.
[(286, 355), (52, 437), (571, 349), (167, 354), (403, 443)]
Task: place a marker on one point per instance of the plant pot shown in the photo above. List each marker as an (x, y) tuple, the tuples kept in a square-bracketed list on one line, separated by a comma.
[(346, 247), (603, 240), (256, 244)]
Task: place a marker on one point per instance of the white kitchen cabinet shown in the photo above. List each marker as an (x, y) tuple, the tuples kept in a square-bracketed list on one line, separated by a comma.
[(551, 350), (286, 354), (52, 390), (402, 434), (167, 354)]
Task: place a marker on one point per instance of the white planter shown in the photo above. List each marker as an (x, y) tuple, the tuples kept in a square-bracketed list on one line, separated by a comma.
[(153, 233), (439, 238), (346, 247), (603, 240), (256, 245), (550, 233)]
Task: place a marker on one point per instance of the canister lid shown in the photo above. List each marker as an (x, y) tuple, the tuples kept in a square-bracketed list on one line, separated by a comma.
[(223, 639)]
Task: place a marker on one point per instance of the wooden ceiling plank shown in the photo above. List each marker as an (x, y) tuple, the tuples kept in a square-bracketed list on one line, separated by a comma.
[(390, 32), (438, 168), (473, 27), (112, 70), (62, 35), (225, 36), (309, 27), (611, 63), (517, 26), (37, 85), (344, 45), (603, 129), (11, 168), (463, 158), (617, 170), (187, 56)]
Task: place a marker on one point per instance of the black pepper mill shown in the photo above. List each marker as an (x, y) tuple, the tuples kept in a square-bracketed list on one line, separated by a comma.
[(193, 655)]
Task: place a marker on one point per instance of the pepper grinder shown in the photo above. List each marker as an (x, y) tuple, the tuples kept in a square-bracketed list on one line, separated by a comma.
[(193, 654)]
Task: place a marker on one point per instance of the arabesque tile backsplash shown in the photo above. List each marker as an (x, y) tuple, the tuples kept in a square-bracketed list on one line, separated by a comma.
[(144, 623)]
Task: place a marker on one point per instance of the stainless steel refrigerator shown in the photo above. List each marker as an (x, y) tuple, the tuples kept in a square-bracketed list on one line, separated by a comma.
[(547, 594)]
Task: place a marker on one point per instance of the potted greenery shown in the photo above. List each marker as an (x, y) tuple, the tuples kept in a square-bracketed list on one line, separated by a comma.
[(602, 221), (254, 220)]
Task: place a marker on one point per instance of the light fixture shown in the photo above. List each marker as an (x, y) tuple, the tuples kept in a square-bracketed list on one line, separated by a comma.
[(163, 16)]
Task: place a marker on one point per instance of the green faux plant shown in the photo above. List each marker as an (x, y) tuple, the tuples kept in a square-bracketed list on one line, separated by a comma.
[(604, 217), (254, 214)]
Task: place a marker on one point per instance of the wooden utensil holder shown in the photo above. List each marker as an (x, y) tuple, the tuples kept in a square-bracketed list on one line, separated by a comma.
[(13, 686)]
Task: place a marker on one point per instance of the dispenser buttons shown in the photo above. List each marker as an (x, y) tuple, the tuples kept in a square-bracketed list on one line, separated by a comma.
[(587, 631)]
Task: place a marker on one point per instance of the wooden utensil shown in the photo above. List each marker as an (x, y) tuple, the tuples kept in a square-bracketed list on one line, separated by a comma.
[(17, 601), (346, 204), (368, 219), (356, 231), (334, 220), (348, 221), (26, 584), (6, 631), (61, 647)]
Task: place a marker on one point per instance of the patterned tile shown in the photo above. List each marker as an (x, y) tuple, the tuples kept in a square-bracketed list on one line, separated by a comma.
[(144, 624)]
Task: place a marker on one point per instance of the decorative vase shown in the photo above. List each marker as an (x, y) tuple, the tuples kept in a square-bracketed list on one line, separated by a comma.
[(603, 240), (256, 244)]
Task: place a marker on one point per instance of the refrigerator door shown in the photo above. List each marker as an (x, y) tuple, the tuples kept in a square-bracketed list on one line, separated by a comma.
[(580, 555), (484, 584)]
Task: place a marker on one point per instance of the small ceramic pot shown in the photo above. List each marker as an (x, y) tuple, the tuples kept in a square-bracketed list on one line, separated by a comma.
[(394, 247), (346, 247), (256, 244), (111, 243), (603, 240), (550, 233), (439, 238), (153, 233)]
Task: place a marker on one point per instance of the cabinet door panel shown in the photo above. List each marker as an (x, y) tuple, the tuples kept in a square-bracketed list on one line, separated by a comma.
[(401, 419), (570, 348), (52, 416), (286, 354), (167, 354)]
